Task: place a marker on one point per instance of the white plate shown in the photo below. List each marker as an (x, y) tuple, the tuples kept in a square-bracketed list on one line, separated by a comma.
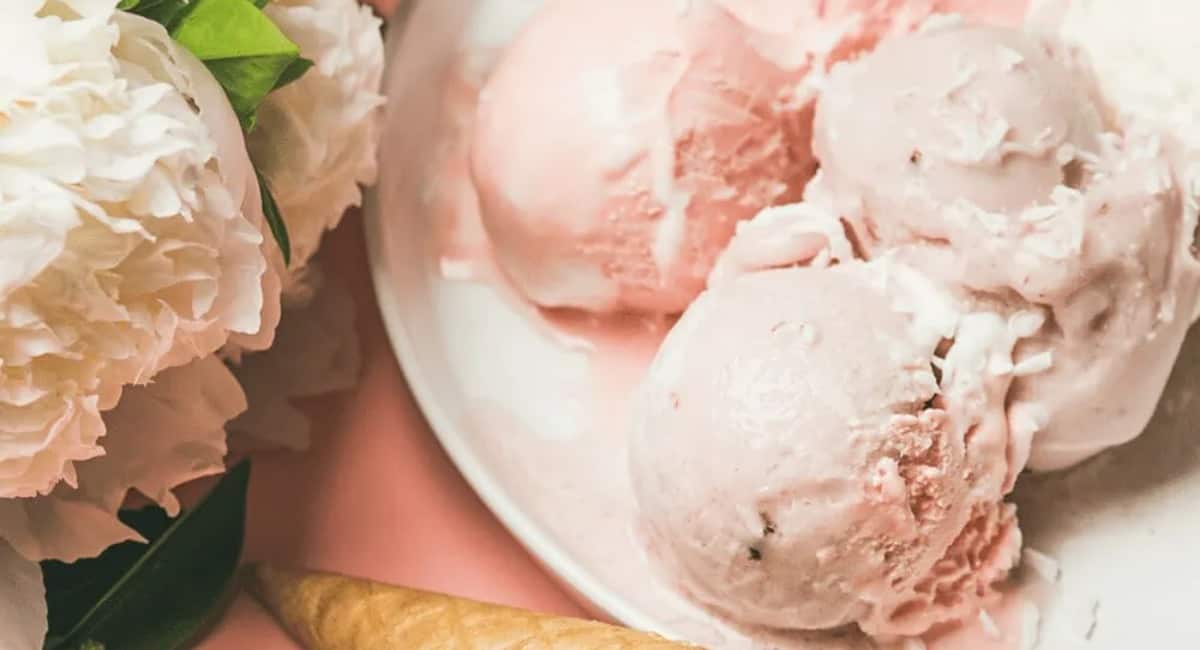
[(520, 413)]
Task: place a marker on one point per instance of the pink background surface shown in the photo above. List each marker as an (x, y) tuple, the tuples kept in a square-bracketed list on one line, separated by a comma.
[(376, 496)]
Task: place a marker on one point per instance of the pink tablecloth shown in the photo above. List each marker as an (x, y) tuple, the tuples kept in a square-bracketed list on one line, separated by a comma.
[(376, 496)]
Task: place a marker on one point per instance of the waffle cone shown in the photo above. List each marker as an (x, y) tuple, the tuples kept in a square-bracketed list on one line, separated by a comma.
[(332, 612)]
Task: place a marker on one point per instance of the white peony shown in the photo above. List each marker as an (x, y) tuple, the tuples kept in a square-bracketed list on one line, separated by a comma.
[(316, 352), (22, 602), (129, 237), (316, 138), (133, 247), (160, 436)]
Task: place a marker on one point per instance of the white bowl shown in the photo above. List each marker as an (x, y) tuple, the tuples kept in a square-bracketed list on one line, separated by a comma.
[(503, 396)]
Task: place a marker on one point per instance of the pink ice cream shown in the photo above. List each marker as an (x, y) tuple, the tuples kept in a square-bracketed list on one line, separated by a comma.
[(619, 143), (969, 129), (809, 453), (985, 161), (824, 440)]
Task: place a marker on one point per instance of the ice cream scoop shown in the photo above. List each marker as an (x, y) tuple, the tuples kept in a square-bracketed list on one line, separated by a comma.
[(1143, 61), (991, 166), (953, 133), (815, 447), (1114, 335), (619, 143)]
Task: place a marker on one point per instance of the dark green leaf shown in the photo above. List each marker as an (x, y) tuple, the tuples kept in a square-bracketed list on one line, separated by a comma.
[(126, 5), (260, 3), (169, 593), (244, 81), (163, 12), (274, 219), (73, 589), (243, 49), (293, 72)]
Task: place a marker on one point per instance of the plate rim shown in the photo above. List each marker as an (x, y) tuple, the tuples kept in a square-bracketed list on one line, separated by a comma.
[(559, 564)]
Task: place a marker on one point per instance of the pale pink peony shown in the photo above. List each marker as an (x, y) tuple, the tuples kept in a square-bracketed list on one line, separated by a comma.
[(22, 601), (316, 138), (131, 240), (160, 436)]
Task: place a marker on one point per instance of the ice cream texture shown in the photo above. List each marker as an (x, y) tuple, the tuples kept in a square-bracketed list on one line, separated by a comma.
[(1143, 61), (1142, 64), (994, 168), (800, 465), (618, 144), (990, 272)]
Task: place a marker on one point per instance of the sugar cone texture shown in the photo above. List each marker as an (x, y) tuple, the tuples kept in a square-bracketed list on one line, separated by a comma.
[(331, 612)]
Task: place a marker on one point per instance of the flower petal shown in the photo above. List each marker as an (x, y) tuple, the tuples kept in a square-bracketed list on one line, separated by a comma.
[(160, 436), (316, 138), (22, 602), (132, 231), (316, 352)]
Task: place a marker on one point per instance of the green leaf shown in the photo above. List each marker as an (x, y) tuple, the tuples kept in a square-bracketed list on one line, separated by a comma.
[(244, 81), (72, 589), (243, 49), (225, 29), (293, 72), (245, 52), (274, 219), (167, 594), (163, 12)]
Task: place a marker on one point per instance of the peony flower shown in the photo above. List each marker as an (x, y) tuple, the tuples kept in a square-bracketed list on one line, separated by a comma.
[(316, 138), (316, 352), (160, 436), (130, 234), (315, 143), (22, 601), (134, 255)]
